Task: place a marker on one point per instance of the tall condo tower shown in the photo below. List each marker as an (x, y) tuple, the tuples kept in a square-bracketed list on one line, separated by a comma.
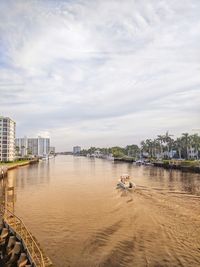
[(7, 139), (33, 146)]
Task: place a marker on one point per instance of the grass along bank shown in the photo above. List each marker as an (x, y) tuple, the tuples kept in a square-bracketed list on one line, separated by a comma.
[(14, 163), (6, 166)]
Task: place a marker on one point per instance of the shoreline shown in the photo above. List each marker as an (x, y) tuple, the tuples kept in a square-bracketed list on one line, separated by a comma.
[(168, 166), (194, 169), (128, 160), (6, 167)]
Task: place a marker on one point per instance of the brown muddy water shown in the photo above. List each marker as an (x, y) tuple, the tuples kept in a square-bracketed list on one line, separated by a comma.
[(72, 206)]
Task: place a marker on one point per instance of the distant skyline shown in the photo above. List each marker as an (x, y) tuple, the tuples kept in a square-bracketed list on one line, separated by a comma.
[(100, 73)]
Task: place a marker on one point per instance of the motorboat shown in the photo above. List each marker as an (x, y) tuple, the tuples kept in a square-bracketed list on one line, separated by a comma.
[(139, 162), (125, 176), (47, 157), (125, 183), (148, 164), (126, 186)]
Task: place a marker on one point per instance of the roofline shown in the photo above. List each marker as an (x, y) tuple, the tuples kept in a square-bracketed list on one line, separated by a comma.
[(2, 117)]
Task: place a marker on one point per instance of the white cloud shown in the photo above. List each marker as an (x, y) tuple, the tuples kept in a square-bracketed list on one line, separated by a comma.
[(105, 71)]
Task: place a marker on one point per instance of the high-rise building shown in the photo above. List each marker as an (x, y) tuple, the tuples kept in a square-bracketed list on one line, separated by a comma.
[(43, 146), (7, 139), (76, 150), (21, 145), (33, 146)]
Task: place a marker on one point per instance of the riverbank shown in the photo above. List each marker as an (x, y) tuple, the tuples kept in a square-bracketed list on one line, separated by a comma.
[(183, 165), (5, 167), (125, 159)]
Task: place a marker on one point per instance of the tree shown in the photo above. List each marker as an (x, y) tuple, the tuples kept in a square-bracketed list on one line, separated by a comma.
[(195, 143), (168, 142), (179, 145), (185, 142), (160, 139), (91, 150), (156, 147), (118, 152), (132, 150)]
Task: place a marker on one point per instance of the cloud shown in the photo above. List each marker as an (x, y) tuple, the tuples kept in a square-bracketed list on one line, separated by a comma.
[(106, 71)]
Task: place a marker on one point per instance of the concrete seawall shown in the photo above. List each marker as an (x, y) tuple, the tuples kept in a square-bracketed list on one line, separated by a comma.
[(5, 168), (128, 160), (195, 169)]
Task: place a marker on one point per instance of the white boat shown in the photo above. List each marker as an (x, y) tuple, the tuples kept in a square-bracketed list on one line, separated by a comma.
[(47, 157), (148, 164), (44, 158), (126, 185), (139, 162), (125, 176)]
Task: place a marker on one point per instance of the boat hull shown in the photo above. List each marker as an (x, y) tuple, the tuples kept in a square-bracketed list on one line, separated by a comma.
[(128, 186)]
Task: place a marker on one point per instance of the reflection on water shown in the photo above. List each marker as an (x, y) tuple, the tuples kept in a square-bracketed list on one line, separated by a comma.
[(39, 175), (72, 206)]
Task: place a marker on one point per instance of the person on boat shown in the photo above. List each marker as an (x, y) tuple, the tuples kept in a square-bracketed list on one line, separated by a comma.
[(122, 180), (130, 185)]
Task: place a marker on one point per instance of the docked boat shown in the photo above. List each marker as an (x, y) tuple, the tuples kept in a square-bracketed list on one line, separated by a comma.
[(47, 157), (139, 162)]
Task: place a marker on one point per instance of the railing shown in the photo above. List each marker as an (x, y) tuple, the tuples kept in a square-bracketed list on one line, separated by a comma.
[(19, 227)]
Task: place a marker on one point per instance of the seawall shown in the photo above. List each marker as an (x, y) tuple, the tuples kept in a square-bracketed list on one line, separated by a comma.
[(5, 168), (195, 169)]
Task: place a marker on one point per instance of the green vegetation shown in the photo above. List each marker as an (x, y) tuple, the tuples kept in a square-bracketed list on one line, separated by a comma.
[(129, 152), (163, 148), (14, 163), (118, 152), (190, 163)]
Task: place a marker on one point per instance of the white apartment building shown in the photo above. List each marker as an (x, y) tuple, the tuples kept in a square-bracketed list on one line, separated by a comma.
[(21, 145), (33, 146), (7, 139)]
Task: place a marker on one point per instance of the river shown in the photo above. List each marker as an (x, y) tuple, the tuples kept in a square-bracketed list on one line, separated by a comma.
[(72, 206)]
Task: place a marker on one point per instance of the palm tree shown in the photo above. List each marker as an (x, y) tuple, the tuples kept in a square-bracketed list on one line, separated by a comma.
[(160, 139), (155, 147), (149, 144), (195, 143), (179, 145), (168, 141), (186, 141), (143, 146), (132, 150)]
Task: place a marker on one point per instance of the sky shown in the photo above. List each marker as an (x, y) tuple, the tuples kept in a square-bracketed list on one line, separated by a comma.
[(100, 72)]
